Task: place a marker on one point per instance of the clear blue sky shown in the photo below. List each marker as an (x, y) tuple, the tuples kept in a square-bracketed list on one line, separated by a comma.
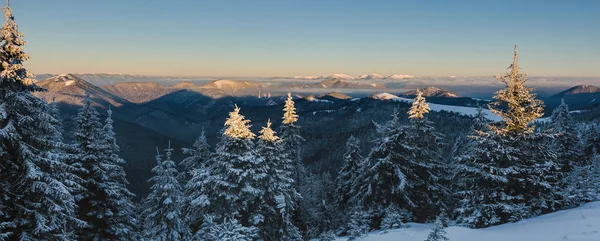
[(287, 38)]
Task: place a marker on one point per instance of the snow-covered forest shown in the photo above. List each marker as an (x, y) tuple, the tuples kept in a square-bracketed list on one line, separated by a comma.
[(254, 186)]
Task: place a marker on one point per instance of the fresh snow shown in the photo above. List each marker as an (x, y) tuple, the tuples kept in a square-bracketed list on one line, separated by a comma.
[(341, 76), (463, 110), (370, 76), (578, 224), (400, 76)]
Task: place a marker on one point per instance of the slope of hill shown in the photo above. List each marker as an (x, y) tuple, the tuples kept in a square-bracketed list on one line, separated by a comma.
[(70, 89), (431, 92), (138, 92), (580, 89), (578, 224), (463, 110), (336, 96), (370, 76), (577, 97)]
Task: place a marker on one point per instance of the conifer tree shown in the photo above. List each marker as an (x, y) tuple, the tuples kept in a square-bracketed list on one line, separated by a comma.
[(35, 183), (123, 222), (346, 179), (195, 171), (404, 162), (508, 173), (437, 230), (566, 141), (517, 106), (197, 156), (164, 205), (292, 141), (105, 203), (280, 195), (592, 141), (236, 174), (226, 230)]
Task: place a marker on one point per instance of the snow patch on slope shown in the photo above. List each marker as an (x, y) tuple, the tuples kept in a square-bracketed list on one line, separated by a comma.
[(578, 224), (69, 82), (463, 110)]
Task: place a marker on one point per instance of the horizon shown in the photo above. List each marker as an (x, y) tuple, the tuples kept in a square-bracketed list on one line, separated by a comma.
[(271, 38)]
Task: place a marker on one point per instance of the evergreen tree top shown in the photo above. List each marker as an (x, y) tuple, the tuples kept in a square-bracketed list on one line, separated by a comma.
[(12, 57), (515, 103), (561, 118), (289, 115), (267, 134), (419, 107), (237, 126), (481, 123)]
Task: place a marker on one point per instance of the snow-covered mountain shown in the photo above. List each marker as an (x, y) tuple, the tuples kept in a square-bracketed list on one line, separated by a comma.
[(138, 92), (339, 76), (399, 76), (578, 224), (370, 77), (308, 77), (432, 92), (71, 89), (576, 90)]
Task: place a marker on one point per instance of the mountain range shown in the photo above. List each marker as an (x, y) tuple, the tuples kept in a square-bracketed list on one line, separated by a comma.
[(149, 114), (350, 77)]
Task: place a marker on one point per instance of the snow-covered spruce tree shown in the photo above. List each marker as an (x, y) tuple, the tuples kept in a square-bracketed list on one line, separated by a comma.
[(359, 224), (196, 156), (566, 142), (237, 174), (194, 176), (226, 230), (437, 230), (35, 183), (105, 203), (346, 179), (280, 197), (394, 218), (583, 184), (163, 208), (404, 162), (123, 222), (592, 141), (292, 141), (508, 173)]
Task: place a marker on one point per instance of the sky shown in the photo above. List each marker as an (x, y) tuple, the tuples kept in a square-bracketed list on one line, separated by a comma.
[(321, 37)]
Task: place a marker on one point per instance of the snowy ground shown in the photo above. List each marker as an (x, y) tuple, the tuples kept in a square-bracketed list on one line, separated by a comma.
[(463, 110), (579, 224)]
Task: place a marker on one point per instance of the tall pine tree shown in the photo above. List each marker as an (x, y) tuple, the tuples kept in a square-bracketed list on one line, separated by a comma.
[(347, 176), (35, 183), (280, 197), (105, 203), (196, 156), (508, 173), (404, 162), (292, 141), (236, 174), (163, 208)]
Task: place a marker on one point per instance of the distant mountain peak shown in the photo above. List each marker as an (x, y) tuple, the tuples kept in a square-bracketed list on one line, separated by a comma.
[(580, 89), (384, 96), (370, 76), (400, 76), (340, 76), (432, 91)]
